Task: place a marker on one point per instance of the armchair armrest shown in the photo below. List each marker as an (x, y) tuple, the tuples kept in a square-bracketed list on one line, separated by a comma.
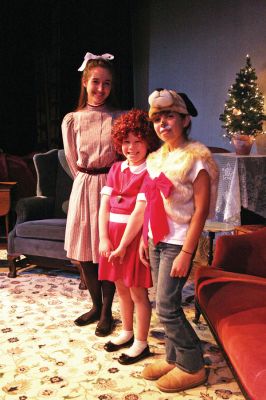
[(34, 208)]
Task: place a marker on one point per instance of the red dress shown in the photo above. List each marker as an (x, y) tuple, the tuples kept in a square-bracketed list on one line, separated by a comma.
[(124, 186)]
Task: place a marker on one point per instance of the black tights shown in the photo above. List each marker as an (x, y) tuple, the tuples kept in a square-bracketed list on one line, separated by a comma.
[(101, 292)]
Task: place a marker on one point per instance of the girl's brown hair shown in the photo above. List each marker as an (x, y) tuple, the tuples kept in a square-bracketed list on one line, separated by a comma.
[(91, 64), (137, 122)]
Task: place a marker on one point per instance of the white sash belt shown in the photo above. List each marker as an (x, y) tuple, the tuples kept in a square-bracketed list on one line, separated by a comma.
[(120, 218)]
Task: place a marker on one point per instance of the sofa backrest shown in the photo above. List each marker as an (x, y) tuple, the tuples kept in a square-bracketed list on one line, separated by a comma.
[(242, 253)]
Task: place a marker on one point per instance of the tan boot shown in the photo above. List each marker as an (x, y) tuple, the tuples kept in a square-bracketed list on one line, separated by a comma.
[(156, 370), (178, 380)]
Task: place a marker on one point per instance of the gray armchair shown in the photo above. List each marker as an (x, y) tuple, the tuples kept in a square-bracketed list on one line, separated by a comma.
[(38, 235)]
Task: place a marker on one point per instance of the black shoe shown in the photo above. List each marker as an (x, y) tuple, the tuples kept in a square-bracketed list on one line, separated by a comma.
[(87, 318), (105, 329), (110, 347), (82, 286), (127, 360)]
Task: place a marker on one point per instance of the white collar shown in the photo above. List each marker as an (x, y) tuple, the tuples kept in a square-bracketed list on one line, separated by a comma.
[(135, 169)]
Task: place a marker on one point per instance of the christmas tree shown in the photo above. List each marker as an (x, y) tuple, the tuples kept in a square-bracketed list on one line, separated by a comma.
[(243, 113)]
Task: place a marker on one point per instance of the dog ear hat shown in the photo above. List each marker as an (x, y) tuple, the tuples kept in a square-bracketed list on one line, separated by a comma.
[(169, 100)]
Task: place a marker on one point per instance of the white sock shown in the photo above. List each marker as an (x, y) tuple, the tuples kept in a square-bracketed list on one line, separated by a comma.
[(137, 347), (123, 337)]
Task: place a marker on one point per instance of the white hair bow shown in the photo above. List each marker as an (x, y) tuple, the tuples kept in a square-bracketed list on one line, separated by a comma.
[(90, 56)]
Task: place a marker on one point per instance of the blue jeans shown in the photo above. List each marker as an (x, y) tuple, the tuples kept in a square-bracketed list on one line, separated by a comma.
[(183, 346)]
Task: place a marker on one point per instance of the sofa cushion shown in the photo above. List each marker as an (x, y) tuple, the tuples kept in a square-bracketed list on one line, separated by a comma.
[(243, 335), (51, 229)]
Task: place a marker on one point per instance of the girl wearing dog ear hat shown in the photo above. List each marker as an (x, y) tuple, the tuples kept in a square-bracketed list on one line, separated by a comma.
[(180, 193)]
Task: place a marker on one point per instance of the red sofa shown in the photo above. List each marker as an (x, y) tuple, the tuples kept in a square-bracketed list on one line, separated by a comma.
[(231, 294)]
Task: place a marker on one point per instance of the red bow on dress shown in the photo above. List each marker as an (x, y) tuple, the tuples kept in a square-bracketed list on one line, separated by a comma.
[(155, 212)]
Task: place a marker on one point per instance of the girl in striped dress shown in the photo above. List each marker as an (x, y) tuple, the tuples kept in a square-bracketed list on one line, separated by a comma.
[(90, 154)]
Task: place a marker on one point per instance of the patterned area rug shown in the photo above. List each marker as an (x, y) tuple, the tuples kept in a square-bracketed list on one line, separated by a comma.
[(43, 354)]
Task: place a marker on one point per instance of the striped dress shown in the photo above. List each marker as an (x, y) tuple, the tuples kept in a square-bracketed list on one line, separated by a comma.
[(87, 143)]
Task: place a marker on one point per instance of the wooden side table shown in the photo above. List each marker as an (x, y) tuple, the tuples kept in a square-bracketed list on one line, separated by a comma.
[(5, 202)]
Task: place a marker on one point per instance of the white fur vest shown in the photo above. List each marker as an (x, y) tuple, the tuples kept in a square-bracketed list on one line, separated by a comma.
[(177, 166)]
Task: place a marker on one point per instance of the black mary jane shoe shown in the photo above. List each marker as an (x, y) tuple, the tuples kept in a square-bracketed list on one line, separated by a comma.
[(110, 347), (127, 360), (82, 286), (106, 329), (82, 320)]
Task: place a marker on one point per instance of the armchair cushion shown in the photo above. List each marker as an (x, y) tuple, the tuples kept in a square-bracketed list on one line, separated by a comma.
[(50, 229)]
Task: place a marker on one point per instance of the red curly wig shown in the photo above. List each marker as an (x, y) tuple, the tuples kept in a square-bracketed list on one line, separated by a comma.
[(137, 122)]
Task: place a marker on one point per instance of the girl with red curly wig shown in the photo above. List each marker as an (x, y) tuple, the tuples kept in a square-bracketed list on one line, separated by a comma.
[(120, 225)]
